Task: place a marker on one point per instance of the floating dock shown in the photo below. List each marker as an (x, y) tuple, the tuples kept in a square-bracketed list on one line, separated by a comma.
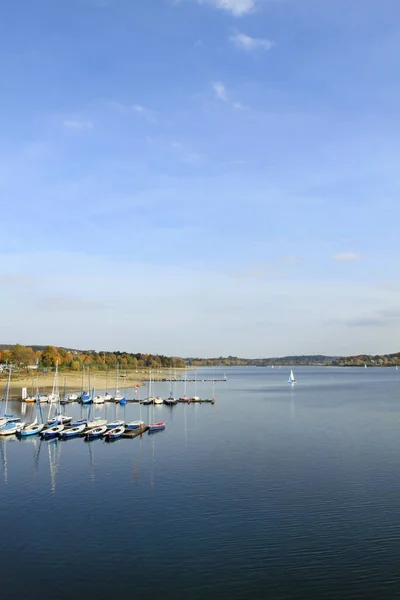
[(132, 433)]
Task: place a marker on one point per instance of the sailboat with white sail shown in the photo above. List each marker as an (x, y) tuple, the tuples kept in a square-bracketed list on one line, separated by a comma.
[(292, 380)]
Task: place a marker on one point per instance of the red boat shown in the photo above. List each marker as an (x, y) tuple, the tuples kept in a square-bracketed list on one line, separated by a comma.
[(157, 426)]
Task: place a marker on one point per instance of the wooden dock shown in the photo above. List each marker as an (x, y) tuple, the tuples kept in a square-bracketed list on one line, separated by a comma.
[(132, 433)]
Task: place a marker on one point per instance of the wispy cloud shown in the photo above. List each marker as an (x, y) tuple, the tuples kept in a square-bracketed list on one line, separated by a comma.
[(145, 112), (220, 91), (346, 256), (250, 44), (237, 8), (77, 124), (137, 109)]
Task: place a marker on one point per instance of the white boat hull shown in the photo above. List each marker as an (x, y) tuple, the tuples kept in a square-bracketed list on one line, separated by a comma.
[(98, 400), (96, 423)]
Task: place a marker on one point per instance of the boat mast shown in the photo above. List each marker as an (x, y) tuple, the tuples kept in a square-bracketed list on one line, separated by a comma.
[(83, 379), (7, 391)]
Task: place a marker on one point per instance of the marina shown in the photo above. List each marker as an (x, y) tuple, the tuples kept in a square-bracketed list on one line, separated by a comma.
[(96, 423)]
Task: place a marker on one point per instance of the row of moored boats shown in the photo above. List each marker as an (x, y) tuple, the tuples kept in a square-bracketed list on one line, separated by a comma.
[(62, 425)]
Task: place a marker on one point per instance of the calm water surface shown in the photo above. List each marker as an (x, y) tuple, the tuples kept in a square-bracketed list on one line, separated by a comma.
[(273, 493)]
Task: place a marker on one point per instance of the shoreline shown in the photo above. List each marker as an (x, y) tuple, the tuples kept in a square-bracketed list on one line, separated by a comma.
[(72, 382)]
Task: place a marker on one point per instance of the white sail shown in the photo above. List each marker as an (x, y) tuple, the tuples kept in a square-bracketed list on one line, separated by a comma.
[(291, 377)]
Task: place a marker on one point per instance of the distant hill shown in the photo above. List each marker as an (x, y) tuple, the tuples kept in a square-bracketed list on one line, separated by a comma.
[(314, 359), (74, 358)]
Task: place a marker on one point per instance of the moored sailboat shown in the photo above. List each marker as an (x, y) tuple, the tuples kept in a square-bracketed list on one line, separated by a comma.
[(184, 398), (113, 434), (70, 432), (95, 432)]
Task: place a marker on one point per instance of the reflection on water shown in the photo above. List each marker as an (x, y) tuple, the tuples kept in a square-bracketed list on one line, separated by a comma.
[(273, 492)]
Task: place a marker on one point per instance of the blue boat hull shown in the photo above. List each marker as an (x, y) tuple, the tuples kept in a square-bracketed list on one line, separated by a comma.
[(77, 423), (27, 433), (49, 436)]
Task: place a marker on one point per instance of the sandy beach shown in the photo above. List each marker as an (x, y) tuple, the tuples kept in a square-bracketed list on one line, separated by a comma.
[(72, 382)]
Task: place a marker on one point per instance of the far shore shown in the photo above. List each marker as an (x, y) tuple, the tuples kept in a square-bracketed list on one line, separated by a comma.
[(72, 381)]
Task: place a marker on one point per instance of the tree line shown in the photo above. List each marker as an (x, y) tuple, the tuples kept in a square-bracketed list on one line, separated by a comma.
[(74, 360)]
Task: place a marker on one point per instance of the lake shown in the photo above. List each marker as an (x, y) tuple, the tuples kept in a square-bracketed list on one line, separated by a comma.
[(274, 492)]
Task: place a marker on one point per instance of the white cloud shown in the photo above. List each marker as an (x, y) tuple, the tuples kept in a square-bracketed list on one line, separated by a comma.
[(145, 112), (250, 44), (346, 256), (238, 8), (76, 124), (220, 91), (139, 109)]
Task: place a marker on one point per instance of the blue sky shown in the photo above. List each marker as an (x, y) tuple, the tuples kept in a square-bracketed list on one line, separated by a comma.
[(200, 177)]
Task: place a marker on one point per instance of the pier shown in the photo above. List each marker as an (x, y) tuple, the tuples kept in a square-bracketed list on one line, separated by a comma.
[(132, 433)]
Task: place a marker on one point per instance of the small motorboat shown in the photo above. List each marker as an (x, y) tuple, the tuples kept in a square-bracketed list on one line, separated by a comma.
[(113, 434), (30, 400), (64, 419), (52, 432), (156, 427), (95, 432), (184, 399), (107, 397), (115, 424), (158, 401), (195, 399), (134, 424), (73, 397), (70, 432)]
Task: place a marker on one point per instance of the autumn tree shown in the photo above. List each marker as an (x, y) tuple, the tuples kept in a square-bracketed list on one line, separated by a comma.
[(50, 357), (22, 355)]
